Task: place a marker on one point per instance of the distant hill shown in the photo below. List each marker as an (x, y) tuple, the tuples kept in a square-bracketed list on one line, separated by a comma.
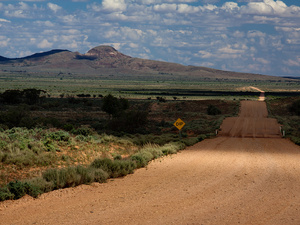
[(296, 78), (3, 59), (105, 61)]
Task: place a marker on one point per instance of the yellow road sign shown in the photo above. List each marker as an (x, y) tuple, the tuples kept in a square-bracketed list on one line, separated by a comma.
[(179, 124)]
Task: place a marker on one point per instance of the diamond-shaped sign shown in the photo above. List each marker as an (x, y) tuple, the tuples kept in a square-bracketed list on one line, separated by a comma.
[(179, 124)]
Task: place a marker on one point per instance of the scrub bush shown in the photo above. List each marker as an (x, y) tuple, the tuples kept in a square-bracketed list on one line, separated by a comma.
[(5, 194)]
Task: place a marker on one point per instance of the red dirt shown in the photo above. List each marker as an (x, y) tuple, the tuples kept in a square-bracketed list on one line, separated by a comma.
[(252, 122), (225, 180)]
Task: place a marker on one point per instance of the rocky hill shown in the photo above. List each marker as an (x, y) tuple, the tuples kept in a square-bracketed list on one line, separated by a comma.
[(105, 61)]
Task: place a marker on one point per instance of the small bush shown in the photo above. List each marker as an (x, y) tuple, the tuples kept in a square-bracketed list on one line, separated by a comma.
[(5, 194), (213, 110), (296, 140), (43, 185), (100, 176), (84, 131), (201, 137), (85, 176), (139, 160), (19, 189), (295, 107), (116, 168), (190, 141), (59, 136)]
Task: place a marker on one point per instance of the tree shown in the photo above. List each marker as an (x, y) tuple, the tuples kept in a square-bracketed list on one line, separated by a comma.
[(213, 110), (32, 95), (295, 107), (12, 96), (29, 96), (114, 106)]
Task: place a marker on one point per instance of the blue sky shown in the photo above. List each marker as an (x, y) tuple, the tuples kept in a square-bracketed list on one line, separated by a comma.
[(255, 36)]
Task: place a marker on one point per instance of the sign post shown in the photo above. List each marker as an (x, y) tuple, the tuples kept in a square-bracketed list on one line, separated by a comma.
[(179, 124)]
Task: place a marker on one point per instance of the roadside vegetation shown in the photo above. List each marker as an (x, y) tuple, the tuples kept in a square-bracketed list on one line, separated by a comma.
[(287, 111), (51, 143)]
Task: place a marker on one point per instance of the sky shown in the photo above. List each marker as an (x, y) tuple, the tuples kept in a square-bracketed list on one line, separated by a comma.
[(254, 36)]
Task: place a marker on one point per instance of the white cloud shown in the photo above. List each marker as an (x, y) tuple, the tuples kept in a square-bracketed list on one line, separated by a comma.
[(69, 19), (165, 8), (4, 20), (205, 54), (230, 6), (44, 44), (114, 5), (95, 7), (4, 41), (255, 33), (55, 8), (257, 8), (293, 62), (262, 61), (229, 50), (239, 34), (270, 7), (133, 45), (44, 23)]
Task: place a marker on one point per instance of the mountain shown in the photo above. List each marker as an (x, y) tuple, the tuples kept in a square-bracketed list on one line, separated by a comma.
[(2, 59), (106, 61)]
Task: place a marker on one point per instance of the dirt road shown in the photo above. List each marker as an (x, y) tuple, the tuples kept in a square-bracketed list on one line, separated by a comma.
[(251, 122), (225, 180)]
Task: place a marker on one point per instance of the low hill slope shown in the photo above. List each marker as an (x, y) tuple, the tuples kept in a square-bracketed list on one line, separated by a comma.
[(107, 61)]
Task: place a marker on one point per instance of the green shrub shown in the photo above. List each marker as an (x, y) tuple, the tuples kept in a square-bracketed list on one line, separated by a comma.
[(43, 185), (154, 149), (117, 157), (139, 160), (73, 176), (172, 148), (84, 131), (3, 145), (116, 168), (85, 175), (104, 164), (201, 137), (19, 189), (100, 176), (296, 140), (114, 106), (295, 107), (49, 145), (59, 135), (213, 110), (51, 175), (5, 194), (190, 141)]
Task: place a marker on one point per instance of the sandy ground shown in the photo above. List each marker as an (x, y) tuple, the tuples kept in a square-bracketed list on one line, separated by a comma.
[(226, 180)]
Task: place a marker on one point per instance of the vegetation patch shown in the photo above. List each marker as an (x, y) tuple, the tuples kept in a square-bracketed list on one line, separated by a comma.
[(56, 143), (286, 111), (98, 171)]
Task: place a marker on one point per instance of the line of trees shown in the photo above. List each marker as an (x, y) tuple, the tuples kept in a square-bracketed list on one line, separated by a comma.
[(29, 96)]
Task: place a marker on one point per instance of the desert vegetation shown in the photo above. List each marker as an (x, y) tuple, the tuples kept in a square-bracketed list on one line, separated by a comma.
[(52, 143), (287, 111)]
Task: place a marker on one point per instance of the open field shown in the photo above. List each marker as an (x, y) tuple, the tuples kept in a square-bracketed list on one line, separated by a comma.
[(143, 88), (226, 180)]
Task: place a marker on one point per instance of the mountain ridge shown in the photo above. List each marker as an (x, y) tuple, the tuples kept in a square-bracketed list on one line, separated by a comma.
[(103, 60)]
